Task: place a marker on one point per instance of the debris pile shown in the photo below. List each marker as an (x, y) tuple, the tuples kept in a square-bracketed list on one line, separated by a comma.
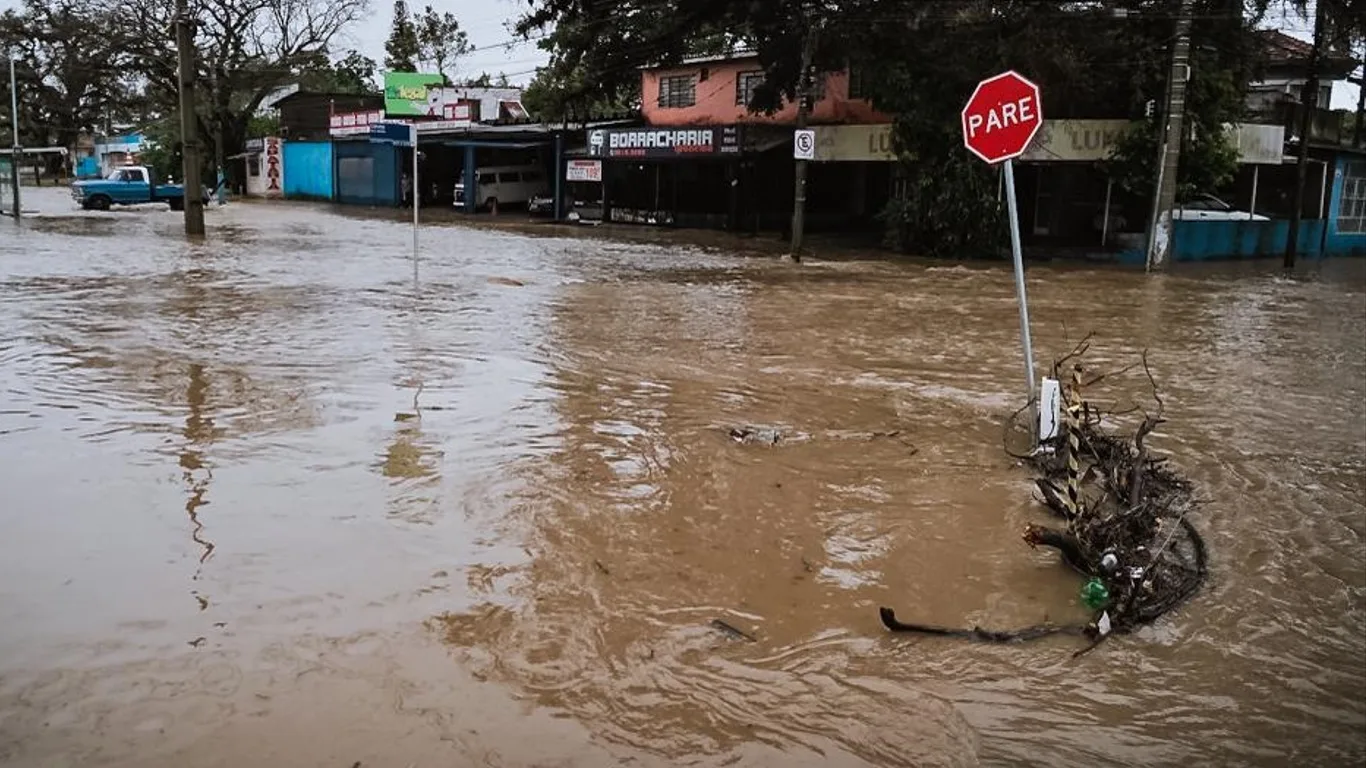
[(1123, 517)]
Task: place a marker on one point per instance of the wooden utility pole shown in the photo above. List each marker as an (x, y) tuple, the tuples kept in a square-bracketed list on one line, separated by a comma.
[(1360, 129), (1309, 103), (804, 96), (189, 123), (1169, 155)]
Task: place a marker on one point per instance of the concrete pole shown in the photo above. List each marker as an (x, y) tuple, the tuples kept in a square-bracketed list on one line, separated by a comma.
[(14, 121), (189, 123), (1308, 105), (1169, 156), (804, 96), (1252, 206)]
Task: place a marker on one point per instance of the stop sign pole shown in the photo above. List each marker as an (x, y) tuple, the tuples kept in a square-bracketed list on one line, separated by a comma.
[(1000, 119)]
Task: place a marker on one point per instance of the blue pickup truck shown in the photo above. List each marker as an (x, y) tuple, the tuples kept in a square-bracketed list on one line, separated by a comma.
[(129, 185)]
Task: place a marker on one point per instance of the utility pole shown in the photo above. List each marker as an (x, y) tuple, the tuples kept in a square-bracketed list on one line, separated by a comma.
[(1309, 103), (1169, 155), (189, 123), (799, 172), (1360, 129), (14, 156)]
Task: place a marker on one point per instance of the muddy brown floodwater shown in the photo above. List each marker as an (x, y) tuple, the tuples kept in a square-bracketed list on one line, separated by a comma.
[(267, 501)]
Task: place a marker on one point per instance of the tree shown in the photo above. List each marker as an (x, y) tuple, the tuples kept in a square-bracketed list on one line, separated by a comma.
[(61, 93), (161, 149), (553, 97), (440, 39), (403, 49), (354, 73), (247, 50)]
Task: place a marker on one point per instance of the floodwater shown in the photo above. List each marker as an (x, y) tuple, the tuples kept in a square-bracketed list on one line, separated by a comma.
[(271, 500)]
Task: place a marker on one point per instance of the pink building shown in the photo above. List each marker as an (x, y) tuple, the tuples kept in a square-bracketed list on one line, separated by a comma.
[(716, 90)]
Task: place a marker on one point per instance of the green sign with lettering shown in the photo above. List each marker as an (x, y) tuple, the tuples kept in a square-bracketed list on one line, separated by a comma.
[(405, 93)]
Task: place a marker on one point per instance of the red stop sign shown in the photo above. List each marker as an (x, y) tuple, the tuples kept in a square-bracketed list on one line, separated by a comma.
[(1001, 117)]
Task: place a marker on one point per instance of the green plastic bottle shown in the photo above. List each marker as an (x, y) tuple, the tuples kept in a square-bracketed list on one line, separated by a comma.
[(1095, 594)]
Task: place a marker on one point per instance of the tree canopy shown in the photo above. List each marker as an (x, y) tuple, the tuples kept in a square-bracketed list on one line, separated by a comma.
[(440, 40), (402, 48), (95, 65)]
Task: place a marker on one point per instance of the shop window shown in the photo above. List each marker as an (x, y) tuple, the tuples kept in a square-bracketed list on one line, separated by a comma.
[(677, 91), (1352, 214), (745, 84)]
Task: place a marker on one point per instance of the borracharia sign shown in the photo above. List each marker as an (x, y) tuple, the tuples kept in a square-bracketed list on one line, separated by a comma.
[(664, 142)]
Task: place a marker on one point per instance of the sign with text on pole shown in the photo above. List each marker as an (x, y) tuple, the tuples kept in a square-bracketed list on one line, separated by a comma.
[(402, 135), (804, 144), (1000, 119)]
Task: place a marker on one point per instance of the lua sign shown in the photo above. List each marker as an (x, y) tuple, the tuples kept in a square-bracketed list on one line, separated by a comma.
[(854, 143), (1089, 141), (1076, 140)]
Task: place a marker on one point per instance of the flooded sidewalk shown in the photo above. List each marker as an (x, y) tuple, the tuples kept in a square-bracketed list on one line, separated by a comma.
[(277, 498)]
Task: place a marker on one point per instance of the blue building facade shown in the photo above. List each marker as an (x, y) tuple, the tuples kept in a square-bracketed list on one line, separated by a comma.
[(367, 173), (1342, 231)]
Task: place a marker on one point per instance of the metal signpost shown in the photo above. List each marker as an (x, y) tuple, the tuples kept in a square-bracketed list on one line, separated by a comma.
[(16, 155), (401, 135), (1000, 119), (416, 197)]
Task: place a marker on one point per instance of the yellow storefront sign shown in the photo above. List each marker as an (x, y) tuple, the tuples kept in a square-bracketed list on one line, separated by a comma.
[(854, 143)]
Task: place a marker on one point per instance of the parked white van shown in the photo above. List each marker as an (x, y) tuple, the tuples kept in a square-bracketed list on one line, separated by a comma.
[(504, 185)]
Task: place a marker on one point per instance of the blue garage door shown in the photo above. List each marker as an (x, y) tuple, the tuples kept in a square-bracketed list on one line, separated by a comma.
[(308, 170), (367, 174)]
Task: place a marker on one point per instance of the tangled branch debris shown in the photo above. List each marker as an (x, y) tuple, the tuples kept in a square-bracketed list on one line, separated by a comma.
[(1123, 517)]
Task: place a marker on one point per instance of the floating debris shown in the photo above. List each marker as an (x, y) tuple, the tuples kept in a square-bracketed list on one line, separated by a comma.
[(734, 632), (756, 435), (1123, 520)]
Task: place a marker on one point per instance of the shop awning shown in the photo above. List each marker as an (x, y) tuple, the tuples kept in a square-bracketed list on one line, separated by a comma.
[(492, 144)]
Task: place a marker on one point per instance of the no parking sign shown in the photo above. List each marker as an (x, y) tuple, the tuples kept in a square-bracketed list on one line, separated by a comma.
[(804, 145)]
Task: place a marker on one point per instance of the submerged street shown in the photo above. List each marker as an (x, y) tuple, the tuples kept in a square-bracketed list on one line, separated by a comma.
[(274, 499)]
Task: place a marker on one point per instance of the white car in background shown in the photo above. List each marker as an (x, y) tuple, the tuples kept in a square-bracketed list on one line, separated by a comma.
[(1211, 208), (503, 185)]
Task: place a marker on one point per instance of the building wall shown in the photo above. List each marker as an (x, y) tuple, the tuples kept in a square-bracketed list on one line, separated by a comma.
[(488, 99), (1226, 240), (307, 116), (308, 170), (716, 99), (256, 174)]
